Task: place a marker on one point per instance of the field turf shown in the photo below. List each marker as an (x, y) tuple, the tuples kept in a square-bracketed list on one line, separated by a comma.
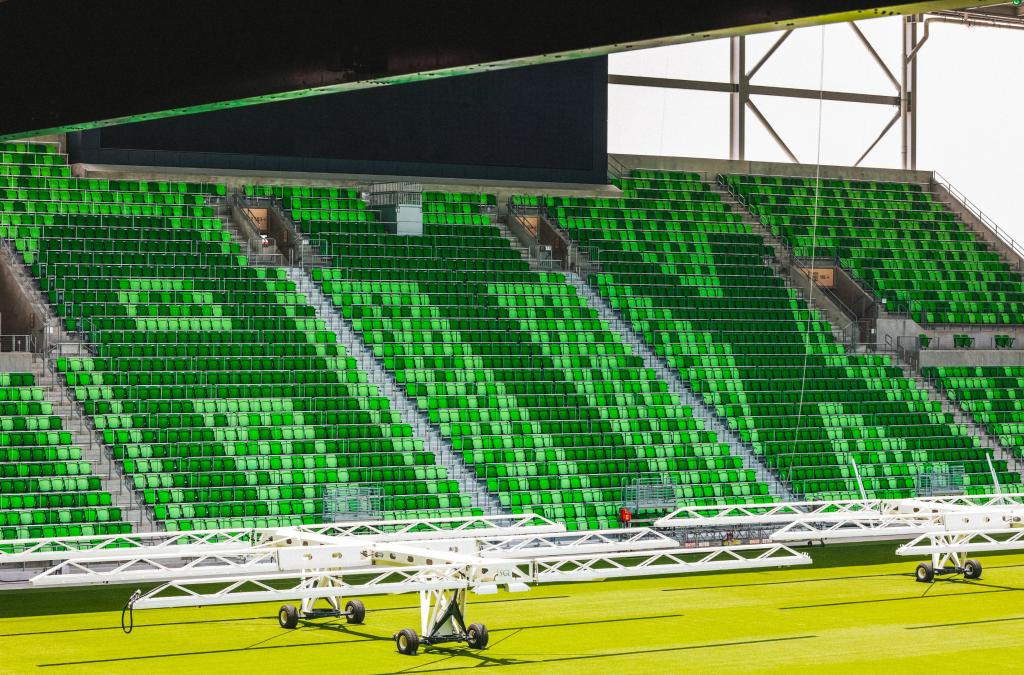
[(856, 610)]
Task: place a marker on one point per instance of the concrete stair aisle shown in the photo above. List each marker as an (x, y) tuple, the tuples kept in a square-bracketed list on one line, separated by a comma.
[(999, 451), (513, 240), (667, 374), (57, 343), (94, 450), (712, 420), (538, 261), (469, 483), (52, 339), (664, 372), (836, 316), (251, 247)]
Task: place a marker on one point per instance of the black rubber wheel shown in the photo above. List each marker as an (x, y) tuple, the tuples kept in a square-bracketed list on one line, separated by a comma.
[(925, 573), (972, 569), (476, 636), (356, 611), (288, 616), (407, 641)]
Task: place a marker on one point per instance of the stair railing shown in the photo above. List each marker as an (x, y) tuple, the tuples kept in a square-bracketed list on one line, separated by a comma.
[(720, 179), (993, 227), (837, 262), (616, 169), (17, 343), (517, 225)]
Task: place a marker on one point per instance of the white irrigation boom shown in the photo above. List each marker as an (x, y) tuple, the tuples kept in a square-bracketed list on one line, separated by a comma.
[(444, 559), (333, 564), (945, 528)]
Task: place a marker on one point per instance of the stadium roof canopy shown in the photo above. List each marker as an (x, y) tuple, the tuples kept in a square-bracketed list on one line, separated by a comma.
[(67, 66)]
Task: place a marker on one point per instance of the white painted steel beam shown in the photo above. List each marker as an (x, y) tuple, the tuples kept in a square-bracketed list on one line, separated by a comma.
[(941, 543), (288, 587), (782, 513), (677, 561), (21, 551)]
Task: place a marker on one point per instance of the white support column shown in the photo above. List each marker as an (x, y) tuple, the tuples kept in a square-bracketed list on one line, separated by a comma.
[(740, 88), (738, 98), (908, 92), (334, 601)]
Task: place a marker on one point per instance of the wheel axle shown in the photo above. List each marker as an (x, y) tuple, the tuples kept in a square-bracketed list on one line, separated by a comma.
[(408, 642), (926, 572), (288, 616)]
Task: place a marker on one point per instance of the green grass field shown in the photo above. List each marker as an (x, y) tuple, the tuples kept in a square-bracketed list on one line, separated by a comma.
[(856, 610)]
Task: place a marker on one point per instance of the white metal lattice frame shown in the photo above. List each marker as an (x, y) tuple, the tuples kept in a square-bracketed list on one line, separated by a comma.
[(950, 548), (675, 561), (285, 587), (440, 559), (740, 87), (782, 513), (20, 551)]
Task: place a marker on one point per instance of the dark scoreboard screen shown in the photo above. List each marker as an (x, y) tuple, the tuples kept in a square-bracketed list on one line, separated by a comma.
[(543, 123)]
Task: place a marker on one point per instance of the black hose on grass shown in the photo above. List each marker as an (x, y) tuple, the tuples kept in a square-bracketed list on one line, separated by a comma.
[(129, 608)]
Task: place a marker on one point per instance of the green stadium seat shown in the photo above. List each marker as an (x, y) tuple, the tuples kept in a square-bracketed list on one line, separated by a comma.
[(553, 412), (691, 277)]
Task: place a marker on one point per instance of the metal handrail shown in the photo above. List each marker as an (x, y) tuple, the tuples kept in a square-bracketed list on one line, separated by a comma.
[(577, 258), (788, 248), (720, 179), (236, 202), (526, 237), (18, 343), (992, 226), (826, 178), (258, 245), (616, 169), (385, 194), (867, 287), (850, 337), (948, 341), (801, 262), (879, 222), (307, 258)]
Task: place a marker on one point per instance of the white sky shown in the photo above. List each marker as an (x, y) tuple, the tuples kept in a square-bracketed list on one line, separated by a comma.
[(968, 103)]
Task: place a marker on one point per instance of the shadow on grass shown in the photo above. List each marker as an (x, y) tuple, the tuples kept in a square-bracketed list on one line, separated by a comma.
[(784, 583), (51, 601), (483, 660), (259, 646), (591, 622), (349, 630), (117, 627), (926, 594), (85, 600), (966, 623)]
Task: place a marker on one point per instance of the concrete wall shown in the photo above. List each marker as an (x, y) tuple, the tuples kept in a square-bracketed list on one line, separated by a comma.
[(942, 339), (971, 357), (716, 166), (503, 189), (59, 139), (16, 362), (984, 338), (236, 179), (888, 330), (17, 314)]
